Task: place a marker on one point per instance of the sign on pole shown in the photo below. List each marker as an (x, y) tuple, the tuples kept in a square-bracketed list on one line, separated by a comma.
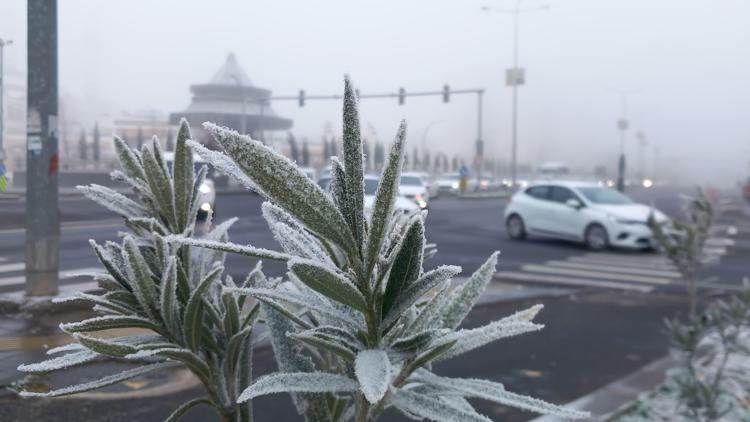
[(515, 76)]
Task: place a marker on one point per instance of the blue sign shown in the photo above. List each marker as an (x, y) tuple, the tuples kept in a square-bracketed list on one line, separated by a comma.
[(463, 171)]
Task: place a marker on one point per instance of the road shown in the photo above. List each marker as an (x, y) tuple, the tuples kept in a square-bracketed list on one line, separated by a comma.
[(608, 325)]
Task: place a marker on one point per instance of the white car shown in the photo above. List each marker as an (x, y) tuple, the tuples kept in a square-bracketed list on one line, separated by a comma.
[(448, 183), (412, 187), (206, 191), (371, 186), (581, 211)]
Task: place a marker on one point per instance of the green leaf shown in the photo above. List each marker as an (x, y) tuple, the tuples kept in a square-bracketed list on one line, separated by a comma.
[(281, 181), (417, 342), (183, 174), (428, 356), (463, 298), (331, 285), (129, 161), (228, 247), (406, 267), (104, 346), (324, 343), (231, 314), (108, 322), (160, 185), (419, 288), (433, 408), (170, 312), (197, 365), (384, 199), (101, 382), (112, 200), (110, 264), (355, 190), (193, 315), (373, 371)]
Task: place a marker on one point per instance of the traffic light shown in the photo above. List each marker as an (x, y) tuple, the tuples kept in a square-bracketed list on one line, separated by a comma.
[(401, 96), (446, 93), (301, 97)]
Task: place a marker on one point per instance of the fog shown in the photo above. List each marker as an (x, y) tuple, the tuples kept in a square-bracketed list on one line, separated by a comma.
[(686, 64)]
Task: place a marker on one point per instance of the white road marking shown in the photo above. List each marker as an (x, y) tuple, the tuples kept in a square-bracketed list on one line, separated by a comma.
[(594, 274), (539, 278), (73, 226), (15, 266), (617, 263), (21, 279), (614, 269), (641, 258)]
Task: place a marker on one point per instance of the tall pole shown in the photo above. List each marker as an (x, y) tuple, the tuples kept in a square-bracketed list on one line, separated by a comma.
[(622, 124), (3, 43), (514, 150), (42, 213), (480, 143)]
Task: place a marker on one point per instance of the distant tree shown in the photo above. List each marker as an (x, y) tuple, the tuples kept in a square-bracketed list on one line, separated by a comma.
[(305, 153), (426, 160), (446, 167), (95, 151), (326, 151), (379, 155), (293, 150), (83, 151), (334, 147), (415, 160), (170, 140), (139, 137), (454, 164)]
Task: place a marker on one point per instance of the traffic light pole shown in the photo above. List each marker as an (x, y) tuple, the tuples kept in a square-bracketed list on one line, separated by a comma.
[(42, 213)]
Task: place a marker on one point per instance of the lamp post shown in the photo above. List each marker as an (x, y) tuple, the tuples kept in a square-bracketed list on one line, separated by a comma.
[(515, 76), (623, 124), (3, 43)]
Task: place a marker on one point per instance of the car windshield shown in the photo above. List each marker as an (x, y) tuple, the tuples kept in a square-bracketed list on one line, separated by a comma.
[(605, 196), (371, 186), (411, 181), (451, 177)]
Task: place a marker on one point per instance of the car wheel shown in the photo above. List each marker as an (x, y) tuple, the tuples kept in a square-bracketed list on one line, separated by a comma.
[(515, 227), (596, 237)]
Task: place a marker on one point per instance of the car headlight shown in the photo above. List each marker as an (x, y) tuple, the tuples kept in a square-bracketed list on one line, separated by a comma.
[(454, 185), (206, 206), (204, 188), (624, 221)]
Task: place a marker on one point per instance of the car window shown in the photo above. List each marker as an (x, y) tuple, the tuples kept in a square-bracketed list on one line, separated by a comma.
[(538, 192), (562, 194), (605, 196), (411, 181)]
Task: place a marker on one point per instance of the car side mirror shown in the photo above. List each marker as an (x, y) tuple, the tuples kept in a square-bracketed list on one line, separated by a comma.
[(574, 203)]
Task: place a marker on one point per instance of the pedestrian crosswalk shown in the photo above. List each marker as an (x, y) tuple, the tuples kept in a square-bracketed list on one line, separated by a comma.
[(12, 278), (640, 272)]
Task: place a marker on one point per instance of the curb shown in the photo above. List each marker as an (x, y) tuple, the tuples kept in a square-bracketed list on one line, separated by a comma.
[(614, 398)]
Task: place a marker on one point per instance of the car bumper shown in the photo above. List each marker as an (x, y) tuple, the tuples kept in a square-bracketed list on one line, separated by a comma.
[(631, 236)]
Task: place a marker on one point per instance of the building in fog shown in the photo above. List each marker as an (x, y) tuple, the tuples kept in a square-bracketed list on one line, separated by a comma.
[(230, 99)]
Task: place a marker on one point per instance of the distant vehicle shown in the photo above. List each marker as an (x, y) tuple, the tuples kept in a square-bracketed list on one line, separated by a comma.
[(553, 170), (746, 190), (448, 183), (206, 191), (371, 187), (581, 211), (412, 187)]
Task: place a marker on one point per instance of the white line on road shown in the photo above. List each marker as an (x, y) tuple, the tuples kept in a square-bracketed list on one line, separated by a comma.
[(75, 226), (594, 274), (614, 269), (538, 278), (640, 258), (617, 263), (21, 279), (15, 266)]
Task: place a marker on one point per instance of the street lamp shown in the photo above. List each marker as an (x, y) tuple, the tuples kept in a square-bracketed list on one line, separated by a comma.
[(515, 76), (622, 125), (3, 43)]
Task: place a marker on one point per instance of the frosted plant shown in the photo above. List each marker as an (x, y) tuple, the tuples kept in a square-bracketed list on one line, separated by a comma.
[(188, 309), (371, 320), (683, 242)]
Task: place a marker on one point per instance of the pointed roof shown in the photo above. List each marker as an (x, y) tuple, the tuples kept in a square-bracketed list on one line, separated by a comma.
[(231, 73)]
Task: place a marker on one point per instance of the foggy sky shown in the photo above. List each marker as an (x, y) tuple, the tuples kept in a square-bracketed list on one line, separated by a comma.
[(689, 62)]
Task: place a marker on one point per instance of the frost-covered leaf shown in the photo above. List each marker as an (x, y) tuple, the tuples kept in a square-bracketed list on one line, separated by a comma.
[(61, 362), (197, 365), (108, 322), (385, 197), (406, 267), (416, 290), (430, 313), (302, 301), (470, 339), (417, 341), (327, 343), (111, 264), (139, 273), (101, 382), (496, 392), (328, 283), (463, 297), (373, 370), (129, 160), (433, 408), (178, 413), (169, 306), (299, 382), (228, 247), (94, 299), (354, 182), (105, 346), (224, 164), (112, 200), (292, 236), (193, 315), (183, 174), (283, 182)]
